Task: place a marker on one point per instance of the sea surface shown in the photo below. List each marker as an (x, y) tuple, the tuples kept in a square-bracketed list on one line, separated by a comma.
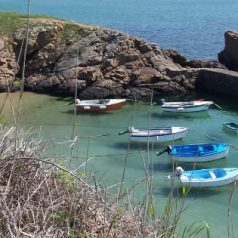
[(195, 28), (51, 119)]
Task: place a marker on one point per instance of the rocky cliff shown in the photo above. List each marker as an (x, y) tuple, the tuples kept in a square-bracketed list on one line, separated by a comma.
[(229, 56), (99, 62)]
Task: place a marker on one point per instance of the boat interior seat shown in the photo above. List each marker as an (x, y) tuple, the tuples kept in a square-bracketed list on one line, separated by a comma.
[(103, 101), (233, 124), (208, 148), (213, 175), (220, 172), (187, 150)]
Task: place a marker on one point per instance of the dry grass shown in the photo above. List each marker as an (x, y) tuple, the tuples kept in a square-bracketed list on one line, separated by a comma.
[(40, 199)]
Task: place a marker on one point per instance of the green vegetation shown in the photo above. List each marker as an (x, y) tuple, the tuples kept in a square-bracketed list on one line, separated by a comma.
[(73, 30), (10, 22)]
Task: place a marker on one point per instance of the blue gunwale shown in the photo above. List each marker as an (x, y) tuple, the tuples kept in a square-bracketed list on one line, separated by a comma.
[(198, 150)]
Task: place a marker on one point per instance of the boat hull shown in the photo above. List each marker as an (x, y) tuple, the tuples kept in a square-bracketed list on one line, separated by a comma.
[(151, 136), (95, 106), (191, 178), (186, 109), (231, 126), (219, 151), (193, 106)]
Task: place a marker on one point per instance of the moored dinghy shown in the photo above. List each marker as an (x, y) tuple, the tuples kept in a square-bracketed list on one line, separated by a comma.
[(213, 177), (191, 106), (157, 134), (198, 152), (99, 105), (231, 126)]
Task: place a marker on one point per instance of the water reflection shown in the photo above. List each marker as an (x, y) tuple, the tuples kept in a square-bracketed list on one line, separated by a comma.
[(191, 193), (180, 115)]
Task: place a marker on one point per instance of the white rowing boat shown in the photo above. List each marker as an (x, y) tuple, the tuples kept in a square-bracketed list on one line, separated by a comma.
[(157, 134), (192, 106)]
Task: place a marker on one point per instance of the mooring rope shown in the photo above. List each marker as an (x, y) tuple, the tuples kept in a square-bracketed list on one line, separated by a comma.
[(108, 134), (204, 134), (214, 138), (110, 155)]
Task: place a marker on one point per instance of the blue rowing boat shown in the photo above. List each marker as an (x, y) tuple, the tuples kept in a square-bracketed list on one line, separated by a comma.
[(213, 177), (198, 152)]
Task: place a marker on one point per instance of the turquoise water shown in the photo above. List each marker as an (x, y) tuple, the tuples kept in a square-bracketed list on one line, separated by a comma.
[(195, 28), (52, 119)]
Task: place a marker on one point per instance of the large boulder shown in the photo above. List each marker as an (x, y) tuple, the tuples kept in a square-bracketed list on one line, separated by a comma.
[(229, 56), (218, 81)]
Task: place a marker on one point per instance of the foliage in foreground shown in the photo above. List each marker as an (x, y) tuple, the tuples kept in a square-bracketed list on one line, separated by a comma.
[(40, 199)]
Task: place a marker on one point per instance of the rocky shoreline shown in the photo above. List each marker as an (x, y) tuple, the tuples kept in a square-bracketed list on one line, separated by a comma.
[(108, 63)]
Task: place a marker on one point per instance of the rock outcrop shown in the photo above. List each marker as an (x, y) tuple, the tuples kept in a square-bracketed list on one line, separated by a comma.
[(229, 56), (221, 82), (99, 62), (8, 65)]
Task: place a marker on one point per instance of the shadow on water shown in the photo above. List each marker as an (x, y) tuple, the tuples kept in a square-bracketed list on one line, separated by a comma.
[(229, 132), (119, 145), (71, 111), (180, 115), (140, 146), (161, 167), (191, 192), (214, 136), (69, 100), (167, 165)]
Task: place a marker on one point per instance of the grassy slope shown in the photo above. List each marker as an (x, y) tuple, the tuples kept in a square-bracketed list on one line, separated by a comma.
[(10, 22)]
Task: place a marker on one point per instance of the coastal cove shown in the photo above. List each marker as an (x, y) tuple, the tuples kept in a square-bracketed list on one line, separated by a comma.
[(51, 119), (65, 67)]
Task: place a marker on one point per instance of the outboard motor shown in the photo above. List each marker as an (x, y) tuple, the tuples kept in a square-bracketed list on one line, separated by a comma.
[(77, 101), (168, 149), (131, 129), (179, 171), (162, 100)]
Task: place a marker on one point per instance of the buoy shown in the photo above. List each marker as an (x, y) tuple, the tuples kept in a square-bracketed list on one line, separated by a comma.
[(183, 190)]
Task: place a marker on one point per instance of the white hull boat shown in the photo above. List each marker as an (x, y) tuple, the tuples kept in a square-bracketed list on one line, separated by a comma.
[(157, 134), (198, 152), (213, 177), (192, 106)]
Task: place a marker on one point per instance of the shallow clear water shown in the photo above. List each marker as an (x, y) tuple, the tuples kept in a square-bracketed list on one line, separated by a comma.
[(52, 119), (195, 28)]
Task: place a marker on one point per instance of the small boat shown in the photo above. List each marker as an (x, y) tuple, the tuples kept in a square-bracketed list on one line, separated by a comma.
[(231, 126), (99, 105), (157, 134), (192, 106), (198, 152), (213, 177)]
